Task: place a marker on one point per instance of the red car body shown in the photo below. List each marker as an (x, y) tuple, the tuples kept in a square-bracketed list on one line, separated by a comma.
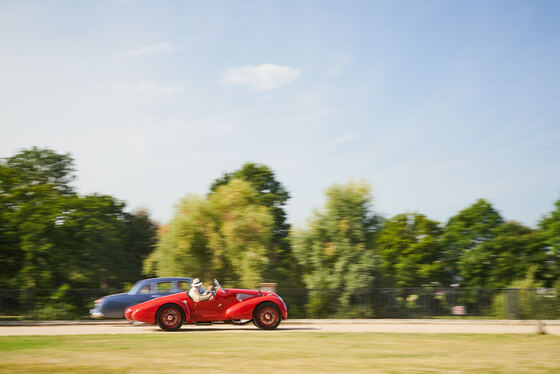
[(266, 309)]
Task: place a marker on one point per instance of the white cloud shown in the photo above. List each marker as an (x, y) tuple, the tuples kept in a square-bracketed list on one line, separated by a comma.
[(152, 49), (152, 88), (263, 77)]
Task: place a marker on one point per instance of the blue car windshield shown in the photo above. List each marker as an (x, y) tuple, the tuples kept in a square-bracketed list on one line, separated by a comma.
[(134, 290)]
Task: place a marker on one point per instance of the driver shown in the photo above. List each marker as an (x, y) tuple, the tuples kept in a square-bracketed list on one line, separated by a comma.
[(195, 294)]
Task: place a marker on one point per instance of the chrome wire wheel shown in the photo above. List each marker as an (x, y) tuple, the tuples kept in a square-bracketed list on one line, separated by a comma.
[(169, 318), (267, 316)]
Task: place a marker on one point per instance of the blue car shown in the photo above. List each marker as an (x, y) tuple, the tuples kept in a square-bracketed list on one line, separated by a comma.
[(113, 306)]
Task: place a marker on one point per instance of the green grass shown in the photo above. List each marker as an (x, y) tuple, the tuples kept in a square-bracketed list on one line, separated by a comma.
[(281, 352)]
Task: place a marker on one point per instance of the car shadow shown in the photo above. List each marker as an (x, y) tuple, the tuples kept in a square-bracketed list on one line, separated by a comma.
[(221, 329)]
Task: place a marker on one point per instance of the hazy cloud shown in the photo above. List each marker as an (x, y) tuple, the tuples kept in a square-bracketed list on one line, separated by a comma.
[(346, 138), (149, 87), (152, 49), (262, 77), (338, 63)]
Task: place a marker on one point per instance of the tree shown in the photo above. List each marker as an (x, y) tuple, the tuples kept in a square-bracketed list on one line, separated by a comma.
[(98, 244), (11, 256), (31, 185), (336, 251), (140, 238), (227, 235), (38, 166), (505, 258), (273, 195), (549, 230), (410, 252), (469, 228), (51, 237)]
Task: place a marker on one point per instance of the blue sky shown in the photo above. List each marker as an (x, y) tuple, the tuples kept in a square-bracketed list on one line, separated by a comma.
[(434, 103)]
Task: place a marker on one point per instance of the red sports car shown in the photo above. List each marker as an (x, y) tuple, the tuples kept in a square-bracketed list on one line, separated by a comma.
[(264, 308)]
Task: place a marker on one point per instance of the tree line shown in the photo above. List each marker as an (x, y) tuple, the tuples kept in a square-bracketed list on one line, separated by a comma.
[(51, 237)]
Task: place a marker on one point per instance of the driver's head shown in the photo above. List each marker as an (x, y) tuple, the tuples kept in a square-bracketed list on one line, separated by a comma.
[(196, 283)]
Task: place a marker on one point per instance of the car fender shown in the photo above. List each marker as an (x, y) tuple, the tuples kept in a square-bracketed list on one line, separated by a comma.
[(245, 308), (146, 312)]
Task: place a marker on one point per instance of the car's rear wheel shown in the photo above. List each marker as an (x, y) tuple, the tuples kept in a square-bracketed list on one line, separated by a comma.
[(169, 317), (267, 316)]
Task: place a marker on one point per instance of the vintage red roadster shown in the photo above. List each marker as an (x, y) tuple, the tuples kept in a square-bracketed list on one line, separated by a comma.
[(264, 308)]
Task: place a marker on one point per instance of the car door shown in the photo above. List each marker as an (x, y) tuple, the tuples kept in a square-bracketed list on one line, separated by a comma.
[(212, 310), (143, 294)]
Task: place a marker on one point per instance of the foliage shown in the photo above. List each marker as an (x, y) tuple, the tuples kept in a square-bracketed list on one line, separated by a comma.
[(336, 251), (527, 299), (36, 166), (273, 195), (51, 237), (409, 252), (504, 258), (227, 236), (550, 234), (469, 228)]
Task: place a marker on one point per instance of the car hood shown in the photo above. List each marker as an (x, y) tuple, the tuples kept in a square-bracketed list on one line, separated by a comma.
[(249, 292)]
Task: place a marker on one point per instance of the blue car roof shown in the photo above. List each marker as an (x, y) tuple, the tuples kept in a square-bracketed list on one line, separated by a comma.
[(143, 282)]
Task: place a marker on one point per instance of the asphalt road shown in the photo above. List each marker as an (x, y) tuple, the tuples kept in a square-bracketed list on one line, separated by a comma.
[(391, 326)]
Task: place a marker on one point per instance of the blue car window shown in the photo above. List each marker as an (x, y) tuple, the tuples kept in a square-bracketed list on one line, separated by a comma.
[(146, 289), (163, 287), (184, 286)]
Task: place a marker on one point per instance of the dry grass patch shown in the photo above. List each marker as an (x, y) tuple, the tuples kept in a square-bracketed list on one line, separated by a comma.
[(280, 352)]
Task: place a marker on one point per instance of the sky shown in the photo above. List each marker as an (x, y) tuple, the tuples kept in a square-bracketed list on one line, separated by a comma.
[(433, 103)]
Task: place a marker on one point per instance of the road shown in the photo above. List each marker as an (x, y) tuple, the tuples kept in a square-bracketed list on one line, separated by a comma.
[(391, 326)]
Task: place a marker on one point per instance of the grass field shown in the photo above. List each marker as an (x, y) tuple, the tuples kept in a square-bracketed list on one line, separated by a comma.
[(281, 352)]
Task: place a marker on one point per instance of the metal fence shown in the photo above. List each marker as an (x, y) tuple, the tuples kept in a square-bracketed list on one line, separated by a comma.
[(47, 304), (503, 303)]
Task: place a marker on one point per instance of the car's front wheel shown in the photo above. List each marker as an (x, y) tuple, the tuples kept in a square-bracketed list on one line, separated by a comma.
[(267, 316), (169, 317)]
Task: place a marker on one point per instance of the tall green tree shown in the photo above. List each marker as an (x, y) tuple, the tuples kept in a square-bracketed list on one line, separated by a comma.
[(505, 258), (98, 244), (410, 252), (227, 235), (549, 228), (51, 237), (469, 228), (38, 166), (32, 184), (272, 194), (11, 255), (336, 250)]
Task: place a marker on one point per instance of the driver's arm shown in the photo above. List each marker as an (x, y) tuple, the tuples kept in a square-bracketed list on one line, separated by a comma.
[(206, 296)]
